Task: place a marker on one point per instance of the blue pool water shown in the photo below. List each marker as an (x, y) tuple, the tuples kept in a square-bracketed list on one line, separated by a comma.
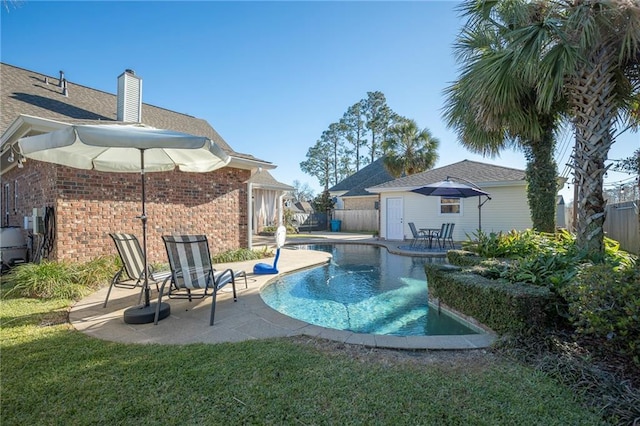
[(365, 289)]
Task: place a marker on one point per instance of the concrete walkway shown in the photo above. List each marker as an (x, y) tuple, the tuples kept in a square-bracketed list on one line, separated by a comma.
[(249, 317)]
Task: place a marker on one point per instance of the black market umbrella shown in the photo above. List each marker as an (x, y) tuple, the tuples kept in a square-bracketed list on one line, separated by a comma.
[(127, 149), (452, 189)]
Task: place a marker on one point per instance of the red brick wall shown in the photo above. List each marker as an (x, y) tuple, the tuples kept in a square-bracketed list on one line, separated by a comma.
[(35, 188), (89, 205)]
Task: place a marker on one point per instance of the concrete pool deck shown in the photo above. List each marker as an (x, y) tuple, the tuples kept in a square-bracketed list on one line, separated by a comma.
[(249, 318)]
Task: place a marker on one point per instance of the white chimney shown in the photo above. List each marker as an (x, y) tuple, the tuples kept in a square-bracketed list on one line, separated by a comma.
[(129, 97)]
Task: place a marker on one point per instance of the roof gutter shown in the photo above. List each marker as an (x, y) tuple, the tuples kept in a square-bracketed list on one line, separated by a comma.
[(23, 125), (249, 164), (26, 124)]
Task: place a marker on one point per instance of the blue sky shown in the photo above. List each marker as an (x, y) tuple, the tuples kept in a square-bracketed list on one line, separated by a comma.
[(268, 76)]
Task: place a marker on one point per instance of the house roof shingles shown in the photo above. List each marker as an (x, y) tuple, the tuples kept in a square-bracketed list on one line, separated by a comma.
[(476, 172), (25, 92), (264, 179), (371, 175)]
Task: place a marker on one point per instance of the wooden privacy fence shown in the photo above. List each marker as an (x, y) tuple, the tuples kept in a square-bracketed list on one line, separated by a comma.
[(357, 220), (621, 225)]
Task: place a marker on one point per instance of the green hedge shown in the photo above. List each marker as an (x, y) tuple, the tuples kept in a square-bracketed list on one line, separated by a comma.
[(464, 258), (504, 307)]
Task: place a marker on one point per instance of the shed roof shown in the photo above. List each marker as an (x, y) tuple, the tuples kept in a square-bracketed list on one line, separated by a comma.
[(474, 171)]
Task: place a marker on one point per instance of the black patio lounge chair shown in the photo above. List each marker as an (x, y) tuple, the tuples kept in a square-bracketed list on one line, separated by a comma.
[(131, 275), (418, 236), (192, 274)]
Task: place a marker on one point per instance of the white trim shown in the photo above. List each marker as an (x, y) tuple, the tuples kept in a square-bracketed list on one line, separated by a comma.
[(358, 197), (375, 190)]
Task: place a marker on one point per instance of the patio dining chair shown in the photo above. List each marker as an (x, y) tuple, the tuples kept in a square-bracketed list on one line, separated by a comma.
[(131, 275), (418, 235), (449, 235), (440, 235), (192, 273)]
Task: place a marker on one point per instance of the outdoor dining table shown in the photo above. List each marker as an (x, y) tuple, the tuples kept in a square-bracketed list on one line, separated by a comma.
[(431, 232)]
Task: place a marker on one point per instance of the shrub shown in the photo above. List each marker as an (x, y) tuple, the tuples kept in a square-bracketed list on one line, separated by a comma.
[(513, 244), (271, 230), (550, 269), (488, 268), (616, 257), (46, 280), (240, 255), (549, 260), (463, 258), (98, 272), (605, 303), (66, 280)]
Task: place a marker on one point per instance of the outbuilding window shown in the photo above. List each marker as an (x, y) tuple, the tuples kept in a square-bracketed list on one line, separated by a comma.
[(450, 205)]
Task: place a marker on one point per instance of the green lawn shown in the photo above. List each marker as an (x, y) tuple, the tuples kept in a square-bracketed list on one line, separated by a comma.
[(52, 374)]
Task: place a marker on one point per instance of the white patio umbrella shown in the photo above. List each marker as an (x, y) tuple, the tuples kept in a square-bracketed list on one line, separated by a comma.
[(127, 149)]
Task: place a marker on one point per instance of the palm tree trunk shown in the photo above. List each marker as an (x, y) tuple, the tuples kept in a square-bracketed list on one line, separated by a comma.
[(595, 111)]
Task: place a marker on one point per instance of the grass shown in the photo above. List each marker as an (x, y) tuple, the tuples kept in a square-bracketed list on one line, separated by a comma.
[(52, 374)]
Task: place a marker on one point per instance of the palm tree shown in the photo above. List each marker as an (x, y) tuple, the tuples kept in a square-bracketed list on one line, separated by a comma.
[(585, 53), (408, 150), (504, 114)]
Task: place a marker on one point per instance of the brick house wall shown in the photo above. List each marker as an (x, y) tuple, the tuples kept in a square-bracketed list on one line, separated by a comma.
[(90, 204)]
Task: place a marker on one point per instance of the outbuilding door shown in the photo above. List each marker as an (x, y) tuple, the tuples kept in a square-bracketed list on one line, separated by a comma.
[(395, 229)]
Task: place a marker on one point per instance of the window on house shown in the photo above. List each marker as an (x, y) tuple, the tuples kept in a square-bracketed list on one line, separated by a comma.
[(450, 205)]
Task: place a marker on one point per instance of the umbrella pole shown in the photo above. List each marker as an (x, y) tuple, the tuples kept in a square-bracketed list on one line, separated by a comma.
[(479, 213), (147, 312), (143, 218), (480, 204)]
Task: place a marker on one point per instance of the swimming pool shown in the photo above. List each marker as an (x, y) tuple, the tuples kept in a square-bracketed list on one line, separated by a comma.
[(364, 289)]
